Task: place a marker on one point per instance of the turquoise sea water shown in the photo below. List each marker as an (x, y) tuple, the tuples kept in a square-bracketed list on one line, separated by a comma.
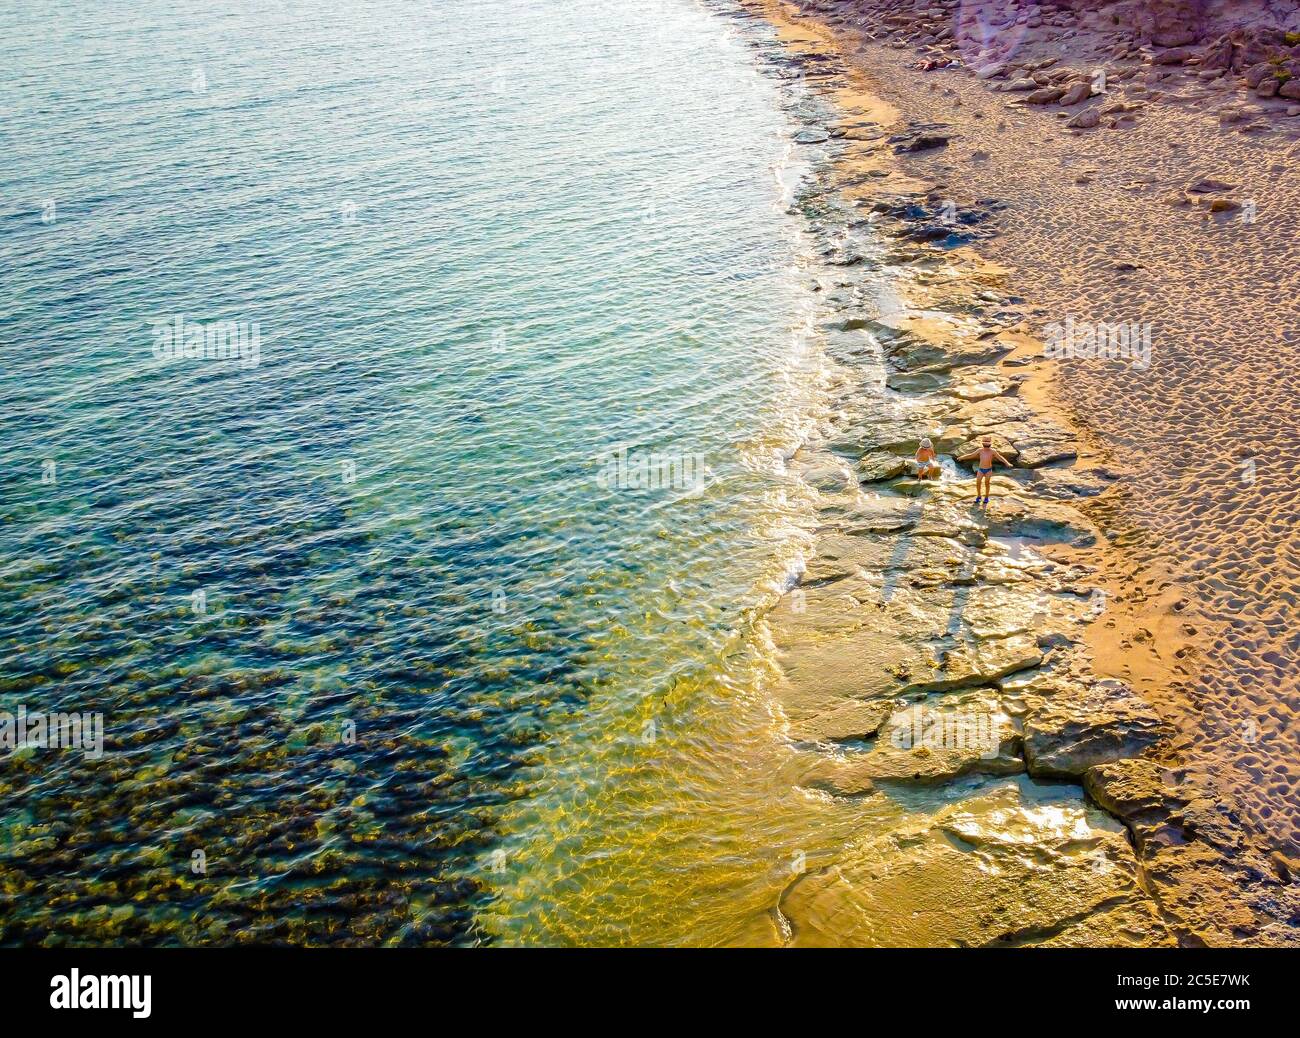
[(381, 656)]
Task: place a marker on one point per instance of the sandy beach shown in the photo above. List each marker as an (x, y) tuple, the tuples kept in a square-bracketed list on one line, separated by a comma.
[(1124, 600)]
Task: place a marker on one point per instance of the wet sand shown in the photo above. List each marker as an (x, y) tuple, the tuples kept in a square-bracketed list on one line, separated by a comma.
[(1156, 669)]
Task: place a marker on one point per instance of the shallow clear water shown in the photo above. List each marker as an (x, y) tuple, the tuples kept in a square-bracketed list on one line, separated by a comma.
[(484, 244)]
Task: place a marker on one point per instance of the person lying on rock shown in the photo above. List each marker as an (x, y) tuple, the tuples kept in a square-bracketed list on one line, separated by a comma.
[(927, 462), (986, 456)]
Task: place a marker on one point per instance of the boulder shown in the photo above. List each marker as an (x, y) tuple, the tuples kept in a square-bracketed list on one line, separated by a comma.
[(1174, 37), (1256, 74), (1045, 96), (1218, 55), (921, 138), (1075, 93)]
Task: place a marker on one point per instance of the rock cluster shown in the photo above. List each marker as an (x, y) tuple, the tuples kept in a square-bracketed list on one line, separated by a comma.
[(1154, 46)]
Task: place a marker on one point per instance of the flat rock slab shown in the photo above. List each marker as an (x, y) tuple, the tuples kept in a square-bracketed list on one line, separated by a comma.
[(1048, 521), (973, 390), (986, 414), (934, 343), (1012, 864), (931, 742), (841, 684), (1129, 788), (997, 441), (878, 466), (827, 677), (1095, 724), (921, 138), (841, 555), (879, 514), (918, 381), (1036, 443), (979, 662)]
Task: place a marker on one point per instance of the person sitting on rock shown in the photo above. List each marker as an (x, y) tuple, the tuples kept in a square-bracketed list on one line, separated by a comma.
[(927, 462), (984, 466)]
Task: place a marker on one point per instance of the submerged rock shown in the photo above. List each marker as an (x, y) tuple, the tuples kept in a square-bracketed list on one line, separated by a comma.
[(829, 476), (811, 135)]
